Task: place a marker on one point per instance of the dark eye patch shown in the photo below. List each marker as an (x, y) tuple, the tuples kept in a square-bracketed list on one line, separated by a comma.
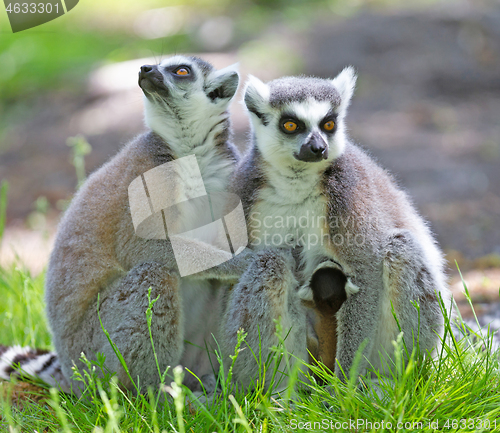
[(288, 117), (174, 69), (331, 116)]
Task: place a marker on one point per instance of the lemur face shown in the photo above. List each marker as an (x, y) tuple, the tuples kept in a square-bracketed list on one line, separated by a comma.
[(299, 121), (185, 90)]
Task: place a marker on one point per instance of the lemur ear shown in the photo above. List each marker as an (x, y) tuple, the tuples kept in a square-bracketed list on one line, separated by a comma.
[(345, 82), (256, 97), (222, 84)]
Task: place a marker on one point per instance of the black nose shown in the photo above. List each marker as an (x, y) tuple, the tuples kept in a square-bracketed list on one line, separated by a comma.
[(151, 79), (316, 144), (313, 150), (147, 71)]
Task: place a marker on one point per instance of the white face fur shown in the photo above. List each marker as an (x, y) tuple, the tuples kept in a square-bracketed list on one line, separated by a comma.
[(185, 98), (298, 122)]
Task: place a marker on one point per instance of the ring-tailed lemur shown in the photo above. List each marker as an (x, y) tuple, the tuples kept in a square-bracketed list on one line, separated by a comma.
[(97, 252), (365, 249)]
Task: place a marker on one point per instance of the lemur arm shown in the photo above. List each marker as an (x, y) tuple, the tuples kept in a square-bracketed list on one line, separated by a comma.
[(266, 292), (230, 270), (212, 261)]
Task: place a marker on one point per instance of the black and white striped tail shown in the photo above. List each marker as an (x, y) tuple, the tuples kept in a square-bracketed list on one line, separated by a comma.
[(25, 361)]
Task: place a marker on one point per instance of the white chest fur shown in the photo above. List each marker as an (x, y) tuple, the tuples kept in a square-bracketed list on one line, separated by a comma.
[(275, 224), (290, 212)]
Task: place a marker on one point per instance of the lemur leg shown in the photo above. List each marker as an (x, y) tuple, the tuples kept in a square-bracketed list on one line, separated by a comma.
[(409, 278), (329, 293), (266, 291), (122, 309)]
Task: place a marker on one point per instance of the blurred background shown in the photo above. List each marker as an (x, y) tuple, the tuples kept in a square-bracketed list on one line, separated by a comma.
[(427, 106)]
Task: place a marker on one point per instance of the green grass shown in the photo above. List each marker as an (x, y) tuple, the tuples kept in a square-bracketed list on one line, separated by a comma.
[(462, 384), (22, 315)]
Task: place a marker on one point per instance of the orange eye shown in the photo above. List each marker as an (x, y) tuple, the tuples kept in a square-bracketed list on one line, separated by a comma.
[(182, 71), (290, 126), (328, 126)]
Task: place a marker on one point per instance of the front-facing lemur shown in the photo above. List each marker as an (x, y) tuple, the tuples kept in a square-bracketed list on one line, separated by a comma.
[(98, 253), (365, 251)]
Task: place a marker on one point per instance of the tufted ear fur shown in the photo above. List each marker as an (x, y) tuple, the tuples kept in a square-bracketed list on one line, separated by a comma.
[(223, 84), (257, 97), (345, 83)]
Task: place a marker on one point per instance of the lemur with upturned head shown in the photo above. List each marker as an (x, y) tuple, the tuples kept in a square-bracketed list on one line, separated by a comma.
[(364, 250), (98, 253)]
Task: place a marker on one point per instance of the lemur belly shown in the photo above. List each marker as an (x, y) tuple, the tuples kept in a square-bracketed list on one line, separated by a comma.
[(273, 224)]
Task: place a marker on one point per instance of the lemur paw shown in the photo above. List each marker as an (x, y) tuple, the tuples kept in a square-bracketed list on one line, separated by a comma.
[(305, 293)]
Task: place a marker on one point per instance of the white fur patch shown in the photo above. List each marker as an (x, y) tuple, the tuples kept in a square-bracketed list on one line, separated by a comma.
[(351, 288), (305, 293), (289, 213), (35, 366), (176, 60), (256, 89), (310, 111), (197, 114), (345, 82)]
